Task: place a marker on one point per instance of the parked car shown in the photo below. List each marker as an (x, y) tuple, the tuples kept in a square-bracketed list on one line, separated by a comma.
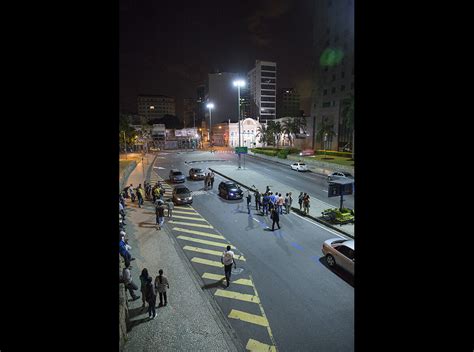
[(307, 152), (338, 175), (340, 252), (197, 174), (299, 166), (182, 195), (177, 176), (229, 190)]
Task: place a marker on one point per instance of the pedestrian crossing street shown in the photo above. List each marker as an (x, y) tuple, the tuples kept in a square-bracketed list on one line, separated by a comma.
[(203, 246)]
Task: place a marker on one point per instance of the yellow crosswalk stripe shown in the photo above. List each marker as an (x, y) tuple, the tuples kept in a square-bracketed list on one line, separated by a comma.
[(184, 212), (209, 243), (190, 224), (215, 277), (199, 233), (188, 218), (207, 262), (237, 295), (247, 317), (254, 345), (207, 251)]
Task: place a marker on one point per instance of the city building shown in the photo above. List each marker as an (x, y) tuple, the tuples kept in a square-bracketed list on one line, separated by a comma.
[(189, 112), (201, 93), (262, 85), (223, 94), (249, 133), (155, 106), (333, 74), (288, 102)]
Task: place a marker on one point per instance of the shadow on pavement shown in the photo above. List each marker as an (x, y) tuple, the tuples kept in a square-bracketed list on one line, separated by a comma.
[(132, 313), (134, 323), (346, 276), (147, 225), (219, 283)]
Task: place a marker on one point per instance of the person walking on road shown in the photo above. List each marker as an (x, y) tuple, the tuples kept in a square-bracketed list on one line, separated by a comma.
[(170, 206), (207, 179), (160, 214), (300, 199), (212, 180), (129, 284), (161, 284), (228, 259), (281, 202), (276, 218), (150, 297), (143, 281), (249, 200), (266, 200)]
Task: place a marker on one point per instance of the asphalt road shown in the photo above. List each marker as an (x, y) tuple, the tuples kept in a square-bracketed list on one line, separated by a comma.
[(309, 307)]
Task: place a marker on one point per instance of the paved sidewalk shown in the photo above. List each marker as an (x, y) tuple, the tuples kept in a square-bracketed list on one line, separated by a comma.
[(190, 321), (249, 178)]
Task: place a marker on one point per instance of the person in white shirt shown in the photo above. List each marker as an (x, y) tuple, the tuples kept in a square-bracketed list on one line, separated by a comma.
[(129, 284), (228, 259)]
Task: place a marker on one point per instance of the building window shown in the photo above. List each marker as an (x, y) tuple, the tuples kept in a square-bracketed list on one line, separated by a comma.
[(268, 80), (268, 92), (333, 90), (266, 86), (326, 104), (268, 74), (343, 88), (268, 68), (325, 92)]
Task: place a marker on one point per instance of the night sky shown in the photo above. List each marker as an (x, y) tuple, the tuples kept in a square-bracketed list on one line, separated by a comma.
[(169, 47)]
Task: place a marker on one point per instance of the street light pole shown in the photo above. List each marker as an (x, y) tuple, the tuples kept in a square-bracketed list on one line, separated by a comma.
[(210, 106), (239, 83)]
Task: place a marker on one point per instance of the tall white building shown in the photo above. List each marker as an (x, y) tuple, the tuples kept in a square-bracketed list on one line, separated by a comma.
[(262, 84)]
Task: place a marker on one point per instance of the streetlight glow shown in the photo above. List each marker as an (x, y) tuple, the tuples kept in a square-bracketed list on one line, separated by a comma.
[(239, 83), (210, 106)]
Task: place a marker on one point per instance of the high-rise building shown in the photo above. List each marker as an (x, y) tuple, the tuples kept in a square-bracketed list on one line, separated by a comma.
[(201, 92), (333, 74), (262, 84), (189, 111), (155, 106), (223, 95), (288, 103)]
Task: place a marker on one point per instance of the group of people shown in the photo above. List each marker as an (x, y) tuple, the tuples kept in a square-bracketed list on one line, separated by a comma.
[(209, 181), (150, 290), (135, 193), (303, 201)]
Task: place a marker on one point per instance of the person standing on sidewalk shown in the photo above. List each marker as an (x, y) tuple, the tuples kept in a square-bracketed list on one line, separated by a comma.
[(207, 180), (161, 284), (228, 259), (129, 284), (132, 193), (160, 214), (300, 199), (140, 195), (170, 206), (290, 201), (276, 218), (212, 180), (266, 200), (281, 202), (143, 281), (306, 204), (150, 297), (287, 203), (249, 200), (257, 200)]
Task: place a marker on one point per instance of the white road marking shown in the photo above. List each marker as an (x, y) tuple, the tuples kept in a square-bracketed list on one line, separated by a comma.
[(323, 227)]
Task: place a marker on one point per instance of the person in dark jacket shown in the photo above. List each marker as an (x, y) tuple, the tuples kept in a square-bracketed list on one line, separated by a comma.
[(150, 298), (258, 198), (276, 218), (143, 281), (249, 200)]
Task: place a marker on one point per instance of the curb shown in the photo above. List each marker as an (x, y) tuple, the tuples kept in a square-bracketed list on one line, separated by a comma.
[(325, 223)]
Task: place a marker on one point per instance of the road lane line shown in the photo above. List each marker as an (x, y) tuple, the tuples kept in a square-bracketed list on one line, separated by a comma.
[(190, 224), (323, 227), (237, 295), (188, 218), (211, 252), (199, 233), (215, 277), (209, 243), (207, 262), (254, 345), (184, 212), (248, 318)]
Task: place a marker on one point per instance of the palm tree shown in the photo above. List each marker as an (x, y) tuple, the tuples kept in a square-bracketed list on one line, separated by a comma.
[(325, 129), (348, 117), (262, 132), (289, 127)]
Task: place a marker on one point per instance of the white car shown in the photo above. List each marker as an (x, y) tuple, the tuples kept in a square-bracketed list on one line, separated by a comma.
[(299, 167), (340, 252), (338, 175)]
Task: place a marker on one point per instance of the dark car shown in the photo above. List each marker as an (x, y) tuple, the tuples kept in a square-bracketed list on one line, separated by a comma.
[(176, 176), (182, 195), (229, 190), (197, 174)]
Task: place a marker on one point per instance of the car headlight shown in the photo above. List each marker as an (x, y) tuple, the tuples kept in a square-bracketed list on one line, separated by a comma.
[(231, 194)]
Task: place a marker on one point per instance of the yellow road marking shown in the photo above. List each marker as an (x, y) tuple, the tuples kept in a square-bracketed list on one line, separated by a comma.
[(247, 317), (254, 345), (263, 314), (198, 240), (209, 251), (188, 218), (190, 224), (184, 212), (215, 277), (237, 295), (207, 262), (199, 233)]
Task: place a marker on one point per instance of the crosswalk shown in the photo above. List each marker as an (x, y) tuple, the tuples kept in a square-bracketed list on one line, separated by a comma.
[(204, 245)]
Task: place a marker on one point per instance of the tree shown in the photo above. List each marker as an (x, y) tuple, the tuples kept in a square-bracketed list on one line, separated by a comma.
[(289, 127), (348, 117), (124, 128), (262, 132), (275, 131), (325, 129)]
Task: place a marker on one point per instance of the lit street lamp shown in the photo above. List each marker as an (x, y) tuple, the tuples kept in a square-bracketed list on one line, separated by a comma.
[(239, 83), (210, 106)]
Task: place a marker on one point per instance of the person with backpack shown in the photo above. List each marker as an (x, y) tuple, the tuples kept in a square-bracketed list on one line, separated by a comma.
[(228, 259), (150, 297), (161, 284)]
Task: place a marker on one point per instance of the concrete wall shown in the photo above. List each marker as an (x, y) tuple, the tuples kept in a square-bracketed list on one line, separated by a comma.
[(123, 311), (124, 176)]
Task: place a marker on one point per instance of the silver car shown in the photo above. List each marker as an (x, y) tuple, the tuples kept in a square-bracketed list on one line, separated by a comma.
[(182, 195), (177, 176), (338, 175), (197, 174), (340, 252)]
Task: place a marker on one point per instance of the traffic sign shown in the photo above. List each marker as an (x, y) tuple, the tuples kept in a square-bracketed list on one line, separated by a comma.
[(241, 150)]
